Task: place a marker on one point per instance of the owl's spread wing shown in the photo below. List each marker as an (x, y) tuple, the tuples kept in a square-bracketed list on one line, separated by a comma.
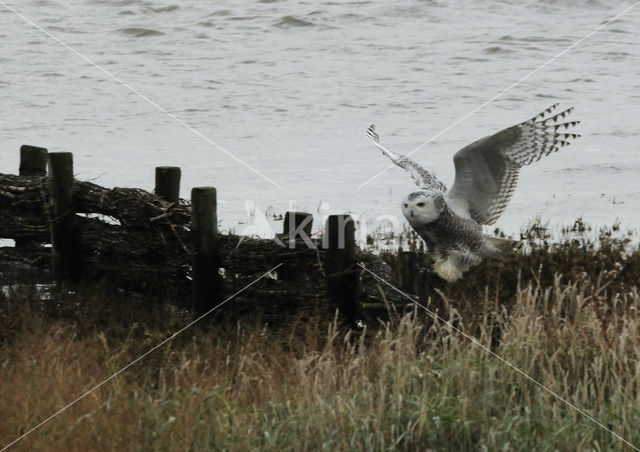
[(421, 176), (487, 170)]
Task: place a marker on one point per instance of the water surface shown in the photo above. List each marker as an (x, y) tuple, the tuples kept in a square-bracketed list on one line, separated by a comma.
[(291, 86)]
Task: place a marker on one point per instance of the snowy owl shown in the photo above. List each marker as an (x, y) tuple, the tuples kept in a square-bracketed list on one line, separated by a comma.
[(450, 222)]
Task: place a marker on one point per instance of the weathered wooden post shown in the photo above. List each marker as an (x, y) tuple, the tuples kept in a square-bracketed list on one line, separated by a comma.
[(423, 293), (206, 284), (407, 261), (297, 223), (66, 265), (168, 183), (297, 226), (340, 265), (33, 162)]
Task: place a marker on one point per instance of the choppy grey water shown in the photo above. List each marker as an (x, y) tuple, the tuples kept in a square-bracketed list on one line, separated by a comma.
[(291, 86)]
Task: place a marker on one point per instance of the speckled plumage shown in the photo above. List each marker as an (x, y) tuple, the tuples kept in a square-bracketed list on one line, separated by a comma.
[(486, 177), (452, 241)]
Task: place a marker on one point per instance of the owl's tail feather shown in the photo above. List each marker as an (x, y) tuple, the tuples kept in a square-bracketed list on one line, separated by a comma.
[(498, 247)]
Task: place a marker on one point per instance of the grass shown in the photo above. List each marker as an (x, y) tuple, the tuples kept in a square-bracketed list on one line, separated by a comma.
[(408, 383)]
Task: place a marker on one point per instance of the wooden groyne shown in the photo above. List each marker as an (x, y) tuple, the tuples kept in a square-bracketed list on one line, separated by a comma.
[(163, 246)]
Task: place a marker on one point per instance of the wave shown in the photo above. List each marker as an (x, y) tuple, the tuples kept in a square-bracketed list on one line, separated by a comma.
[(221, 13), (292, 21), (164, 9), (140, 32), (497, 49)]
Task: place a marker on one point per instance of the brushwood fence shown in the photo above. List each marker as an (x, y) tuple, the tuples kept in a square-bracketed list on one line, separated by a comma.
[(163, 246)]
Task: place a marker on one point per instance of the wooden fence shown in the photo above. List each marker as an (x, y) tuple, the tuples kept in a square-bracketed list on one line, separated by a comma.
[(163, 246)]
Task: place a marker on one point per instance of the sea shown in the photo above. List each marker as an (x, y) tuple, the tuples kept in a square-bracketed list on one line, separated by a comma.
[(269, 101)]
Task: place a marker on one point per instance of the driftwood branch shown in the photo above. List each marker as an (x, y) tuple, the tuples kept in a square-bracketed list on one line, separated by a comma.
[(26, 193), (149, 248), (130, 206)]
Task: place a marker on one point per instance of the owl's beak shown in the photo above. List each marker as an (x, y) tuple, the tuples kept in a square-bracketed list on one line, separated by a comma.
[(411, 212)]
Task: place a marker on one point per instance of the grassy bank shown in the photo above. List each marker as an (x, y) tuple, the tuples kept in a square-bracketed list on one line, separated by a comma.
[(409, 383)]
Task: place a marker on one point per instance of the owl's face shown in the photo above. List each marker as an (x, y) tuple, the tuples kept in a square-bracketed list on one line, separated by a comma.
[(423, 207)]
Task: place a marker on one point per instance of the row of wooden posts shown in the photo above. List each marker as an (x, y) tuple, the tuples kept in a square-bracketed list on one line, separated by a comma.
[(339, 244)]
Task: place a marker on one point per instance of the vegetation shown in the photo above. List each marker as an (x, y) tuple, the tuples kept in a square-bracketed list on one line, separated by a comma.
[(566, 314)]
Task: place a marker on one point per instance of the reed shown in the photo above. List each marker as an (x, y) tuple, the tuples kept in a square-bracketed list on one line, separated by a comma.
[(408, 383)]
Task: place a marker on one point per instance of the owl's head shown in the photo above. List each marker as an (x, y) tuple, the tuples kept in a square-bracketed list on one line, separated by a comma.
[(423, 207)]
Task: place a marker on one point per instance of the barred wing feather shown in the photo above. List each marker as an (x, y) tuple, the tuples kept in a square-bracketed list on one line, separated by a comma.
[(487, 170), (421, 176)]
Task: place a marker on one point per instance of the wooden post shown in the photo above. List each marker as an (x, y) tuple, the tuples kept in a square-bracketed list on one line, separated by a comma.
[(33, 162), (297, 226), (206, 284), (408, 271), (296, 223), (66, 266), (340, 265), (168, 183), (423, 293)]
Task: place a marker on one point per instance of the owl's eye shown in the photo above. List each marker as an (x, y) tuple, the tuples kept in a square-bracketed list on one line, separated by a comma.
[(420, 204), (406, 205)]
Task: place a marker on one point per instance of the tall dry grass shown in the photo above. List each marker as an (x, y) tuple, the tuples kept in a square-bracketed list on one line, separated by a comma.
[(407, 384)]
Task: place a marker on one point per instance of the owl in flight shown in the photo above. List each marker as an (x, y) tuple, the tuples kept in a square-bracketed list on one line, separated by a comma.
[(450, 222)]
